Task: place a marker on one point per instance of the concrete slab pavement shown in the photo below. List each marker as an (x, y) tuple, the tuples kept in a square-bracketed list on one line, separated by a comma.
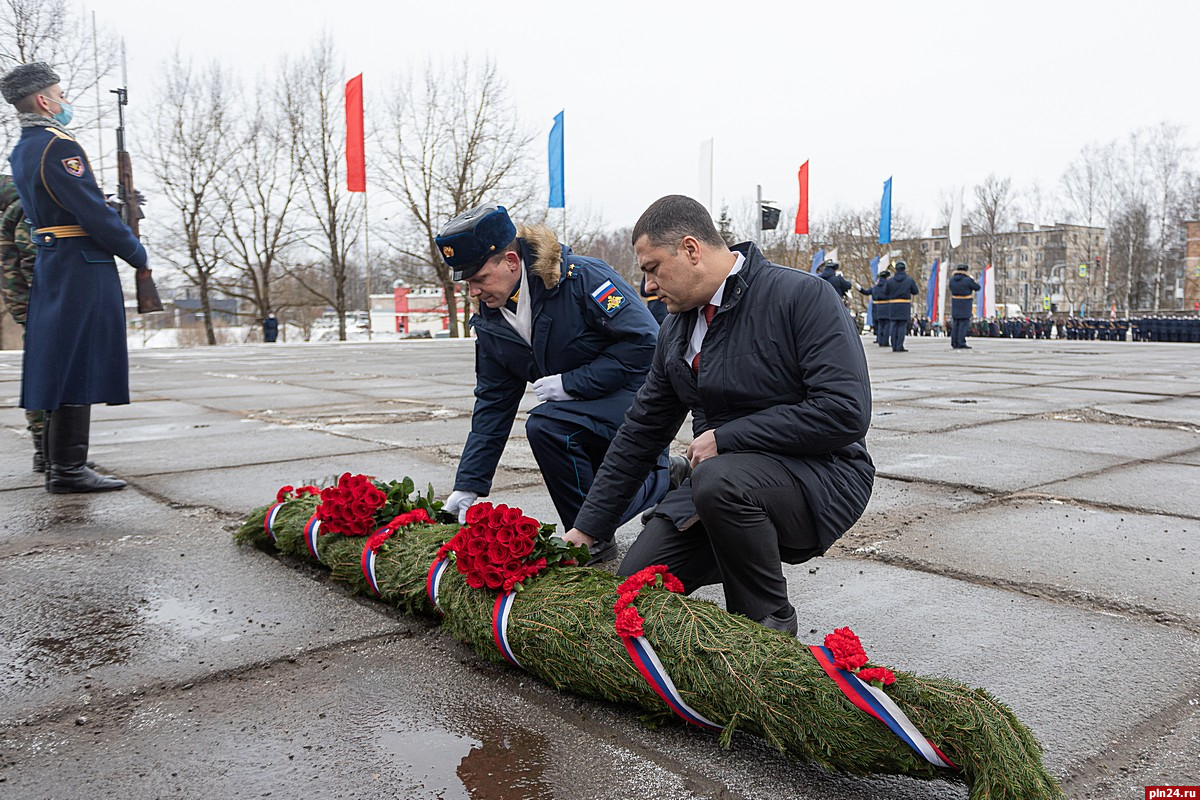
[(960, 566)]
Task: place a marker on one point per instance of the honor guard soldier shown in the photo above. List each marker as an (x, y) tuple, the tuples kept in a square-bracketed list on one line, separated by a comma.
[(897, 296), (962, 297), (883, 327), (75, 351), (571, 327)]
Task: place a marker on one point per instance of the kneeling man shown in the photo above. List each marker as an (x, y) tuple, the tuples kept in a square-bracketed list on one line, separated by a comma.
[(770, 366)]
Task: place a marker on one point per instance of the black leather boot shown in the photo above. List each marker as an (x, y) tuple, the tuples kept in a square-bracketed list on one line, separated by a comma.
[(39, 450), (66, 450)]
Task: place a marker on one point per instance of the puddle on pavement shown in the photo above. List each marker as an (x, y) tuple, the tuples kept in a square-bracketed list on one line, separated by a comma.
[(187, 619), (80, 640), (503, 763)]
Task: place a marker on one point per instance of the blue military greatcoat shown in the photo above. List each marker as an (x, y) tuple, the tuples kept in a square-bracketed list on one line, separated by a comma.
[(588, 326), (75, 351), (962, 295)]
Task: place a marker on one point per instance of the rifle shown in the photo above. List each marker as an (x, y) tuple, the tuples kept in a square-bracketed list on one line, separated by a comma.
[(148, 300)]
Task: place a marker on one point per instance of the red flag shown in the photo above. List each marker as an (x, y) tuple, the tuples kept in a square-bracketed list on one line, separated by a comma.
[(802, 211), (356, 150)]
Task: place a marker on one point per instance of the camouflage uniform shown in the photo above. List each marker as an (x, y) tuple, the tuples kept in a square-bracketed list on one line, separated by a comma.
[(17, 253)]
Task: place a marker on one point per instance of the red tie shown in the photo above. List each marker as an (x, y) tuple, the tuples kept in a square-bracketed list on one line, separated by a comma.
[(710, 311)]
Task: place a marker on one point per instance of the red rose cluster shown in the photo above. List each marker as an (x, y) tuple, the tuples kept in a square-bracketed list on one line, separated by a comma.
[(492, 549), (289, 492), (380, 536), (349, 506), (629, 621), (848, 654)]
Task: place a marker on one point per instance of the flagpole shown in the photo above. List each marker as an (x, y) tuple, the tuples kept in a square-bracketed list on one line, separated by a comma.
[(367, 256)]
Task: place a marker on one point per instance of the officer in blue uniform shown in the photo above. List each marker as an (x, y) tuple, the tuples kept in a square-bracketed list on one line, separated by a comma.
[(883, 325), (898, 293), (829, 273), (75, 351), (962, 297), (575, 330)]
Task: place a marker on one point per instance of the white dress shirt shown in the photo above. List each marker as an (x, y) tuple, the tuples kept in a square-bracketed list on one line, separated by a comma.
[(702, 324)]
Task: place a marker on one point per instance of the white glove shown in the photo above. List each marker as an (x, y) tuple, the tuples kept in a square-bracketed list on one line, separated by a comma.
[(458, 503), (550, 388)]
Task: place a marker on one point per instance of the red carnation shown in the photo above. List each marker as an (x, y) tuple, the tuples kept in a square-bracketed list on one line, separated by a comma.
[(282, 494), (881, 674), (629, 622), (848, 653)]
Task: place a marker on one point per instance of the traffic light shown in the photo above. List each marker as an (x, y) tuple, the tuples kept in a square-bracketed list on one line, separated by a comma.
[(770, 217)]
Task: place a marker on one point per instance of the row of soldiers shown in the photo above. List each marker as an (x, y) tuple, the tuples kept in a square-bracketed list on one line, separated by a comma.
[(1166, 329)]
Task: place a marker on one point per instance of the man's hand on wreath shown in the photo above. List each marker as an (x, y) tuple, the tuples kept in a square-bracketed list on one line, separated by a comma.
[(576, 536), (702, 447)]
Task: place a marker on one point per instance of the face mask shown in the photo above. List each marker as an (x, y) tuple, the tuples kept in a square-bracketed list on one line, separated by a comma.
[(65, 112)]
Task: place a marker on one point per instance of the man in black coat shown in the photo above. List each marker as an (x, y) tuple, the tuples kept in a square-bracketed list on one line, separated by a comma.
[(897, 295), (770, 366), (962, 298)]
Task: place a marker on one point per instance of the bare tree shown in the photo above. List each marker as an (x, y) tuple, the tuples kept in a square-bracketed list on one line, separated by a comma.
[(191, 152), (1167, 157), (454, 142), (313, 93), (62, 35), (991, 217), (259, 201)]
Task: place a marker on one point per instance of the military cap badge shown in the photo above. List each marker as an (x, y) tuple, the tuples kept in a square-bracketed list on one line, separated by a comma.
[(74, 166), (448, 251)]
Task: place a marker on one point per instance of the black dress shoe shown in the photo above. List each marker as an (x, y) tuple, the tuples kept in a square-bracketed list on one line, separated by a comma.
[(601, 552), (899, 349), (784, 623), (679, 471)]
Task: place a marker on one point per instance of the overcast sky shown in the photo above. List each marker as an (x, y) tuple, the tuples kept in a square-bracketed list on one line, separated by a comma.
[(936, 94)]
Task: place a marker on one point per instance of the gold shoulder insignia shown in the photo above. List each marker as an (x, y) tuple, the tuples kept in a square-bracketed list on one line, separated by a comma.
[(61, 134)]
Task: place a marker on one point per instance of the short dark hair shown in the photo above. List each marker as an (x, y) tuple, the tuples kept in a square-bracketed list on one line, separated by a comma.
[(670, 218)]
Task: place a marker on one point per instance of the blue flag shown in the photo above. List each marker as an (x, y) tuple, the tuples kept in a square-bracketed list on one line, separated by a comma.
[(981, 295), (931, 287), (818, 257), (885, 214), (558, 192)]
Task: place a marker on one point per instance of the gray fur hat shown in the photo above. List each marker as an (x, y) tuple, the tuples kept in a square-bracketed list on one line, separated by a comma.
[(25, 79)]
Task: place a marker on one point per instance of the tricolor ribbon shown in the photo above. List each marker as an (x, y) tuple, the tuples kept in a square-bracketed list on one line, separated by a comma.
[(434, 580), (500, 614), (647, 663), (875, 702), (269, 522), (368, 567), (312, 529)]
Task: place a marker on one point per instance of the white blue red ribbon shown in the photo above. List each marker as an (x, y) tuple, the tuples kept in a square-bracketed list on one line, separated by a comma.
[(368, 567), (433, 581), (500, 614), (312, 529), (269, 521), (646, 660), (875, 702)]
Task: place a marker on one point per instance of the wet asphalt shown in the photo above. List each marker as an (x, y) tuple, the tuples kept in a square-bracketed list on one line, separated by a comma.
[(1035, 530)]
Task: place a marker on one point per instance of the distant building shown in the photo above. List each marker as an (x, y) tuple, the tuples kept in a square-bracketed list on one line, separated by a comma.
[(1058, 267), (409, 310)]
